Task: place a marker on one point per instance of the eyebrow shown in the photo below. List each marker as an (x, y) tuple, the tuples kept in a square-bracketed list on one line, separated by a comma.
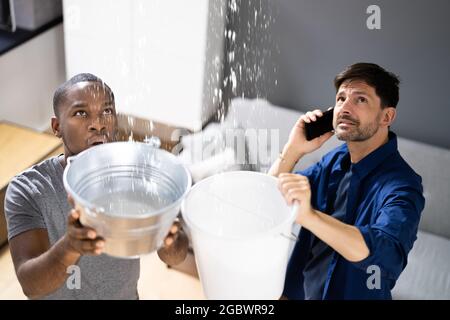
[(82, 104), (355, 92), (108, 103), (361, 92), (78, 104)]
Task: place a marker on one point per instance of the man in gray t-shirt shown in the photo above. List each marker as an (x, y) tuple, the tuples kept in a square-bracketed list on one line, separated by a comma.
[(47, 242)]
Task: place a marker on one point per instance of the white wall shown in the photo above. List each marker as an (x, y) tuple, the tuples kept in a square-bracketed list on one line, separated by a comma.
[(29, 75), (158, 56)]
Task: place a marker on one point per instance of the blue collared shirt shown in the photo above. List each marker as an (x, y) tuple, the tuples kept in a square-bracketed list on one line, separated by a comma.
[(384, 201)]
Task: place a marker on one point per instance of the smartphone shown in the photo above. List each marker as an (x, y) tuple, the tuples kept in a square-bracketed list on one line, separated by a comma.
[(321, 126)]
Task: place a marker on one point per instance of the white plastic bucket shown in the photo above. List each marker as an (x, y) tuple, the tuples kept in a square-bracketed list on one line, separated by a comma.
[(240, 226)]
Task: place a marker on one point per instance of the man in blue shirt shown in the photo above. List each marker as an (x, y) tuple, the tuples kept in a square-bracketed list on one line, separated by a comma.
[(360, 206)]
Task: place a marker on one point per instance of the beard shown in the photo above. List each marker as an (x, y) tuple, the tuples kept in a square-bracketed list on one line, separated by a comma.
[(358, 132)]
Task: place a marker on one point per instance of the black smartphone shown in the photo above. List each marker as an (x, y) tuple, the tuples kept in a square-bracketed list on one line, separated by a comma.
[(322, 125)]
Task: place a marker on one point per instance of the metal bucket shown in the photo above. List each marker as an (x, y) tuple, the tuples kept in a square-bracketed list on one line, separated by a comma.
[(129, 192)]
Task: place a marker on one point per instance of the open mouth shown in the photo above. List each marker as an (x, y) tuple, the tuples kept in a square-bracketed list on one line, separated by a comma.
[(95, 141), (345, 123)]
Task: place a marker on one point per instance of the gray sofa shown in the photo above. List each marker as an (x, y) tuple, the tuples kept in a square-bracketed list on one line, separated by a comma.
[(427, 275)]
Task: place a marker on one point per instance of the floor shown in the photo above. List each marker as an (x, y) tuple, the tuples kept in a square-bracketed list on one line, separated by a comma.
[(156, 281)]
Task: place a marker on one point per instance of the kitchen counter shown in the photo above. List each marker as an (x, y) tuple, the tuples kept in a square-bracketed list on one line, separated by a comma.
[(11, 40), (20, 148)]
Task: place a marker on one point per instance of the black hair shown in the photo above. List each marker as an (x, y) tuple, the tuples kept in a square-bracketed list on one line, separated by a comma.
[(61, 91), (386, 83)]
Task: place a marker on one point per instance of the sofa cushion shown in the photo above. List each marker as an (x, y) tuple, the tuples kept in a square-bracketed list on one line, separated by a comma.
[(432, 163), (427, 274), (269, 124)]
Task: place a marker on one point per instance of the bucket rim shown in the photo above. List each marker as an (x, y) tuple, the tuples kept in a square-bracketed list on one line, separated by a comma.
[(92, 207), (260, 234)]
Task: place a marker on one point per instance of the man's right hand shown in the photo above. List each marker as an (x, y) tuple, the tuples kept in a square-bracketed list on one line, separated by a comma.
[(297, 144), (82, 240)]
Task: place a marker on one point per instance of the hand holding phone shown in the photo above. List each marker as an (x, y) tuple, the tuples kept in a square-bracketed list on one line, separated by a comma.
[(321, 126)]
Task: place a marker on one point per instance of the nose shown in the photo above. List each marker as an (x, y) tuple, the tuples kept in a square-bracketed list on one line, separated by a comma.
[(97, 125), (346, 107)]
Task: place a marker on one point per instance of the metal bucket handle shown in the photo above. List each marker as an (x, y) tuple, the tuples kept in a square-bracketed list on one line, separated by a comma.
[(292, 236)]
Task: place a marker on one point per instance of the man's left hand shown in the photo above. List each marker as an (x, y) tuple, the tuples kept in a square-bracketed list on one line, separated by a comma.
[(175, 247), (296, 188)]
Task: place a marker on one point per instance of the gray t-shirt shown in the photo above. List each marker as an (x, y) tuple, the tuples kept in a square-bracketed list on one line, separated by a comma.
[(36, 199)]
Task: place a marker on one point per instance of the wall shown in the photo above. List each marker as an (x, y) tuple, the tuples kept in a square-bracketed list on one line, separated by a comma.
[(161, 57), (29, 75), (311, 41)]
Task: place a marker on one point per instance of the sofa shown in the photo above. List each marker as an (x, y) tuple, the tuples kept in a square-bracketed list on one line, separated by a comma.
[(427, 274)]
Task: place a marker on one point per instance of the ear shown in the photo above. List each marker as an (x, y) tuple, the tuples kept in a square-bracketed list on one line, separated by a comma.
[(56, 127), (389, 114)]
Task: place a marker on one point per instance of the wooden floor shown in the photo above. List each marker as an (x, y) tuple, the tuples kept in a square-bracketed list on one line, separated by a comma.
[(156, 281)]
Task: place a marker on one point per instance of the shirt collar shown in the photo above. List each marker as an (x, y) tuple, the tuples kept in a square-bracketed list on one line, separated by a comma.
[(363, 167)]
